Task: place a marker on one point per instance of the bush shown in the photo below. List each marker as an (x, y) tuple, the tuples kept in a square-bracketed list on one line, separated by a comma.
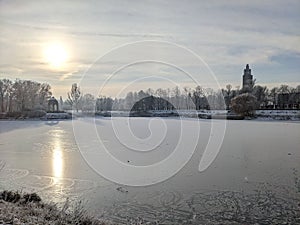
[(14, 115), (34, 114), (3, 116), (33, 197), (26, 114), (10, 196), (244, 104)]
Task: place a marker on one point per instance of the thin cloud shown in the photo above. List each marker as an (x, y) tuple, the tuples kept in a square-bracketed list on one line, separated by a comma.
[(226, 34)]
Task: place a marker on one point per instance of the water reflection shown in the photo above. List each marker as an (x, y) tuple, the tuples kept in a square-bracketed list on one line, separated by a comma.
[(51, 122), (57, 157)]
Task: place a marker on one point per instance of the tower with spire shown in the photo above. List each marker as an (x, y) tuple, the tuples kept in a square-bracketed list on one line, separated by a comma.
[(247, 79)]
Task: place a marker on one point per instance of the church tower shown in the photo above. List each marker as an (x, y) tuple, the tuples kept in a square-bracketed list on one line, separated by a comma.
[(247, 79)]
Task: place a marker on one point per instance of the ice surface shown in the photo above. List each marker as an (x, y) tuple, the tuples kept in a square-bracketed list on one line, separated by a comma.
[(258, 161)]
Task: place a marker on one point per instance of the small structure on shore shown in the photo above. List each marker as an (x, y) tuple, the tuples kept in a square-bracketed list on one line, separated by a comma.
[(52, 105)]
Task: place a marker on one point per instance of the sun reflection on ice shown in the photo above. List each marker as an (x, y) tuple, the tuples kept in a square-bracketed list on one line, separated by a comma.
[(57, 161)]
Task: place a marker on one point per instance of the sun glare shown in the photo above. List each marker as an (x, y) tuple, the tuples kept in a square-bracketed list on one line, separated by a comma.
[(57, 161), (55, 54)]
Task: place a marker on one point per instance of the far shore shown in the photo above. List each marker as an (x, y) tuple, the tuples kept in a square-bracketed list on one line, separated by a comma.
[(259, 115)]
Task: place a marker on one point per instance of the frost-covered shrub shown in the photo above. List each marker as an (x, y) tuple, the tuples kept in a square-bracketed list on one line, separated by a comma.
[(26, 114), (33, 197), (14, 114), (3, 116), (35, 114), (10, 196), (244, 104)]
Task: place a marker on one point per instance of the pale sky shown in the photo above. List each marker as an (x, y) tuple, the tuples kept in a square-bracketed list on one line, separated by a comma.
[(57, 41)]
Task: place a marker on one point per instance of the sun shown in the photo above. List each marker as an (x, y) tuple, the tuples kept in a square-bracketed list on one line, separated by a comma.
[(55, 54)]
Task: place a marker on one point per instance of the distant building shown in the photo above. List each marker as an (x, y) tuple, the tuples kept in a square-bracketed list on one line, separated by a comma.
[(247, 80), (288, 101), (280, 101)]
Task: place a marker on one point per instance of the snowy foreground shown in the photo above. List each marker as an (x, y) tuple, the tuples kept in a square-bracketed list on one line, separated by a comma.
[(253, 179), (18, 209)]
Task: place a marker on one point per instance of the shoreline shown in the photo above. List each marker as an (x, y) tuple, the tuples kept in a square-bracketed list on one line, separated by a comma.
[(260, 115)]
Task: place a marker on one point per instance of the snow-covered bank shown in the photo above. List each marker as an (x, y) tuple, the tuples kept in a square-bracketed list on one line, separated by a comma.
[(35, 115), (202, 114), (19, 209), (206, 114), (61, 116), (278, 115)]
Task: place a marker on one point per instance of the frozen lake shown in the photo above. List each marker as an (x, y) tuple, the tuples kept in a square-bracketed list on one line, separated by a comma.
[(255, 176)]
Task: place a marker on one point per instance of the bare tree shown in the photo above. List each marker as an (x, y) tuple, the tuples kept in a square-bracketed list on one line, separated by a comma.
[(129, 100), (176, 97), (23, 95), (198, 97), (88, 103), (5, 86), (261, 94), (74, 97), (188, 98), (284, 89)]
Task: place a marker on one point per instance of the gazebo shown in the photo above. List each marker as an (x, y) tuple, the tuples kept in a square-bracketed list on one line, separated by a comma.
[(52, 105)]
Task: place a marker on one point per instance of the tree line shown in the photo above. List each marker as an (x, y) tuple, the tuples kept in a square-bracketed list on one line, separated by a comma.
[(26, 95), (23, 95), (175, 98)]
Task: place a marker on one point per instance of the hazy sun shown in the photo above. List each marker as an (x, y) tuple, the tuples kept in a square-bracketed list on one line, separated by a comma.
[(55, 54)]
